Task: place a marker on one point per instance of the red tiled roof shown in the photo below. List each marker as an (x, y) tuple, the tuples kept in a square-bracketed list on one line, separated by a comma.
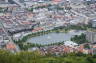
[(37, 29), (10, 46)]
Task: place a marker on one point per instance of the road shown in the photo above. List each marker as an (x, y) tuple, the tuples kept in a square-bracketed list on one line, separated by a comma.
[(80, 14), (20, 4)]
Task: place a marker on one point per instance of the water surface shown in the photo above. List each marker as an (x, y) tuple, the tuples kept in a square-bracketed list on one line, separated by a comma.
[(53, 38)]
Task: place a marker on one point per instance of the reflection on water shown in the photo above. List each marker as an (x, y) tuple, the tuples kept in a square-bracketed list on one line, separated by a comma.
[(49, 37)]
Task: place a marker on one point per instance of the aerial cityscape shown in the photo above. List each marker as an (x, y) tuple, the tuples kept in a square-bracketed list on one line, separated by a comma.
[(47, 31)]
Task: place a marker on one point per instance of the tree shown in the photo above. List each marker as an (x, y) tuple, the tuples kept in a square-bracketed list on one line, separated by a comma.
[(79, 38)]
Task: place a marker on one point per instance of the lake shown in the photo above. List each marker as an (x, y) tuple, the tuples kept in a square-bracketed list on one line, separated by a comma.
[(53, 37)]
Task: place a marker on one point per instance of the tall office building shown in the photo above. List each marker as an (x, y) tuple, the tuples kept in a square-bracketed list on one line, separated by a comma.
[(91, 36), (94, 23)]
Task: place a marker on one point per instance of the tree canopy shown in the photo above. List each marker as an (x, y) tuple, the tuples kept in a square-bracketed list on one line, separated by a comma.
[(36, 57)]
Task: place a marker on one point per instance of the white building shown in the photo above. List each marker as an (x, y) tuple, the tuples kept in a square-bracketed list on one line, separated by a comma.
[(70, 44)]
